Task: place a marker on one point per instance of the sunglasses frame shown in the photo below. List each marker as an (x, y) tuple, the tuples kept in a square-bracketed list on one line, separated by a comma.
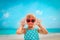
[(30, 20)]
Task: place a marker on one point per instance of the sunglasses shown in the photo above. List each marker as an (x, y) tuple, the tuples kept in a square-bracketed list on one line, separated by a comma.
[(30, 20)]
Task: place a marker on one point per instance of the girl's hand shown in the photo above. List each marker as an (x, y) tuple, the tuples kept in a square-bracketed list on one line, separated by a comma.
[(38, 22), (23, 22)]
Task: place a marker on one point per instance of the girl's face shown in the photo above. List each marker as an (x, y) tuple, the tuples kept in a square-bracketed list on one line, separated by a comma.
[(30, 21)]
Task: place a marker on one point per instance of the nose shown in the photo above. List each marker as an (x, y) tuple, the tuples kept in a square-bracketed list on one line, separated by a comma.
[(30, 22)]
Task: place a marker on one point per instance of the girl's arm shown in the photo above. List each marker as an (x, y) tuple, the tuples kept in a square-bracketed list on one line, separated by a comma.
[(21, 30), (41, 29)]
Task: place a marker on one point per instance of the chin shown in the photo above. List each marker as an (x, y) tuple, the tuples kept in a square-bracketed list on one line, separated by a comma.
[(30, 25)]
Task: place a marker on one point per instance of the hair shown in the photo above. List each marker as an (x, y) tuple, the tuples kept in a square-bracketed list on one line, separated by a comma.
[(30, 15)]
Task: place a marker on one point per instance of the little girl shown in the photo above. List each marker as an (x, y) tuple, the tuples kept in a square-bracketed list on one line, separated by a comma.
[(31, 33)]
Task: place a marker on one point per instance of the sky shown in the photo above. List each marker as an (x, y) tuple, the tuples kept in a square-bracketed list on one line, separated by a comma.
[(13, 11)]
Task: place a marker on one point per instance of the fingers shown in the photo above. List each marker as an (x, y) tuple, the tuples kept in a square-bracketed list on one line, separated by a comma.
[(38, 22), (23, 22)]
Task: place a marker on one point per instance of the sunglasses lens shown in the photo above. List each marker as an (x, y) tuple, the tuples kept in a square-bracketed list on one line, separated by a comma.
[(33, 21), (28, 20)]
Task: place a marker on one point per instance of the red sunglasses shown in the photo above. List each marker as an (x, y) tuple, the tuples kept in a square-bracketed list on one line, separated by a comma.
[(30, 20)]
